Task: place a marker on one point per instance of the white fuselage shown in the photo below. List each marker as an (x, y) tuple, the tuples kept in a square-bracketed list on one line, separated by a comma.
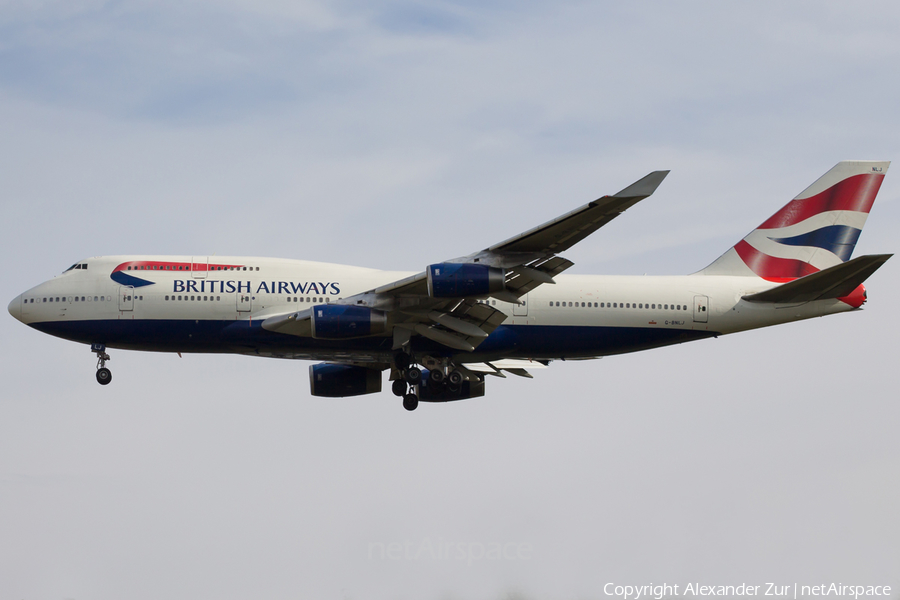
[(191, 304)]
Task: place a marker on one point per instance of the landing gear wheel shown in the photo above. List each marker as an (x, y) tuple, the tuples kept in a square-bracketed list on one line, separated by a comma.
[(399, 387), (104, 376), (435, 376), (455, 378), (410, 402), (413, 375)]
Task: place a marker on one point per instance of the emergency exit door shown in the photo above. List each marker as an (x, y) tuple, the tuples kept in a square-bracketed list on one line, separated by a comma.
[(701, 309)]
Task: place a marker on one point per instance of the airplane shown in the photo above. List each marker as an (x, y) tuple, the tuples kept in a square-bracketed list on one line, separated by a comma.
[(505, 309)]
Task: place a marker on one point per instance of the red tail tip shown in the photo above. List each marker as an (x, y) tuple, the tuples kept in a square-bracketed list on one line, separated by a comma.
[(857, 297)]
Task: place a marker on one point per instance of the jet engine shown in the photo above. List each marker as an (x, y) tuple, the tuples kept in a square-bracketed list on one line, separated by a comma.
[(331, 380), (453, 280), (338, 321)]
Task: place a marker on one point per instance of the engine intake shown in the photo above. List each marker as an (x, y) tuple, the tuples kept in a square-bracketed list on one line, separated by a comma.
[(337, 321), (330, 380), (454, 280)]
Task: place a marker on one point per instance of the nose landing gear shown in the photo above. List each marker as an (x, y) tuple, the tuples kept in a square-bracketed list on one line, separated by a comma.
[(104, 375)]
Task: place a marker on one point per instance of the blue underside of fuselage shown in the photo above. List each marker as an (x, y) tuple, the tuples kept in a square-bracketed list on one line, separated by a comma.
[(248, 337)]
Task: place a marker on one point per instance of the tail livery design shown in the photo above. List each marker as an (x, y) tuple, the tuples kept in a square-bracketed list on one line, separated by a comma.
[(815, 231)]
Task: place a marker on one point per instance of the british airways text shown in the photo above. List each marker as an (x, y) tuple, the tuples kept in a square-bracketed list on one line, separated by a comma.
[(267, 287)]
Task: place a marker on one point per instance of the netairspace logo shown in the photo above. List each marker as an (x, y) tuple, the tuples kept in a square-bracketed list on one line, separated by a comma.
[(442, 550), (795, 591)]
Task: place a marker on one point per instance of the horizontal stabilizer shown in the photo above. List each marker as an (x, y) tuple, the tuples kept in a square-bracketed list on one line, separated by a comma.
[(835, 282)]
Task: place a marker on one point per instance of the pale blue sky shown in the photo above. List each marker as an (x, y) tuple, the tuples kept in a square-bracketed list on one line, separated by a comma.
[(396, 134)]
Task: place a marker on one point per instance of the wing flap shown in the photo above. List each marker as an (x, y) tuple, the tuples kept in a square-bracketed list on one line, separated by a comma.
[(521, 280)]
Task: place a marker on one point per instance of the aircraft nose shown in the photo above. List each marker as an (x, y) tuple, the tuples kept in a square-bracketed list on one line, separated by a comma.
[(15, 307)]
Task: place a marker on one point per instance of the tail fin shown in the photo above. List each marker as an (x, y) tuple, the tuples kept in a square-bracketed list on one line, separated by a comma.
[(816, 230)]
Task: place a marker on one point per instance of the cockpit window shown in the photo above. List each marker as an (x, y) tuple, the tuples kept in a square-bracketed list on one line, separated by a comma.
[(76, 266)]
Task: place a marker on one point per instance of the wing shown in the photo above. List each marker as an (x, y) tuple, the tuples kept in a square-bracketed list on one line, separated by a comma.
[(446, 302)]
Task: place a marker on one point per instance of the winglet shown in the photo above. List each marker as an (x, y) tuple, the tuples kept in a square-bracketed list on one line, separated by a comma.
[(643, 187)]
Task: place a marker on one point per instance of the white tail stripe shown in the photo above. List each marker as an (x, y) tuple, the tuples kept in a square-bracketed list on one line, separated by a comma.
[(817, 257), (850, 218)]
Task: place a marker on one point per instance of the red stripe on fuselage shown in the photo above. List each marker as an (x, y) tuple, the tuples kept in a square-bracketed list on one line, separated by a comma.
[(156, 265)]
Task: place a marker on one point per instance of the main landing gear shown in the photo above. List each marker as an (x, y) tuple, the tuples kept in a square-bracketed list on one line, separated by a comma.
[(401, 387), (104, 375), (411, 377)]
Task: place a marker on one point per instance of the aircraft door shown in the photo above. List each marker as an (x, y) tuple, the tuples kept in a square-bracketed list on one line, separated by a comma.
[(701, 309), (521, 310), (244, 302), (126, 297), (199, 267)]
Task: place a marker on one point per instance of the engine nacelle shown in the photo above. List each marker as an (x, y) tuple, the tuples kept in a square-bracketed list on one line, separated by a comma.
[(339, 321), (429, 392), (330, 380), (454, 280)]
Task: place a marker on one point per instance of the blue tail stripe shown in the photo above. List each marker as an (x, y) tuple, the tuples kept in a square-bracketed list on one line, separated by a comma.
[(838, 239)]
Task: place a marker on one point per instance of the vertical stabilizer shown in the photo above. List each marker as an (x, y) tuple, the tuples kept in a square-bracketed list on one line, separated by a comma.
[(816, 230)]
